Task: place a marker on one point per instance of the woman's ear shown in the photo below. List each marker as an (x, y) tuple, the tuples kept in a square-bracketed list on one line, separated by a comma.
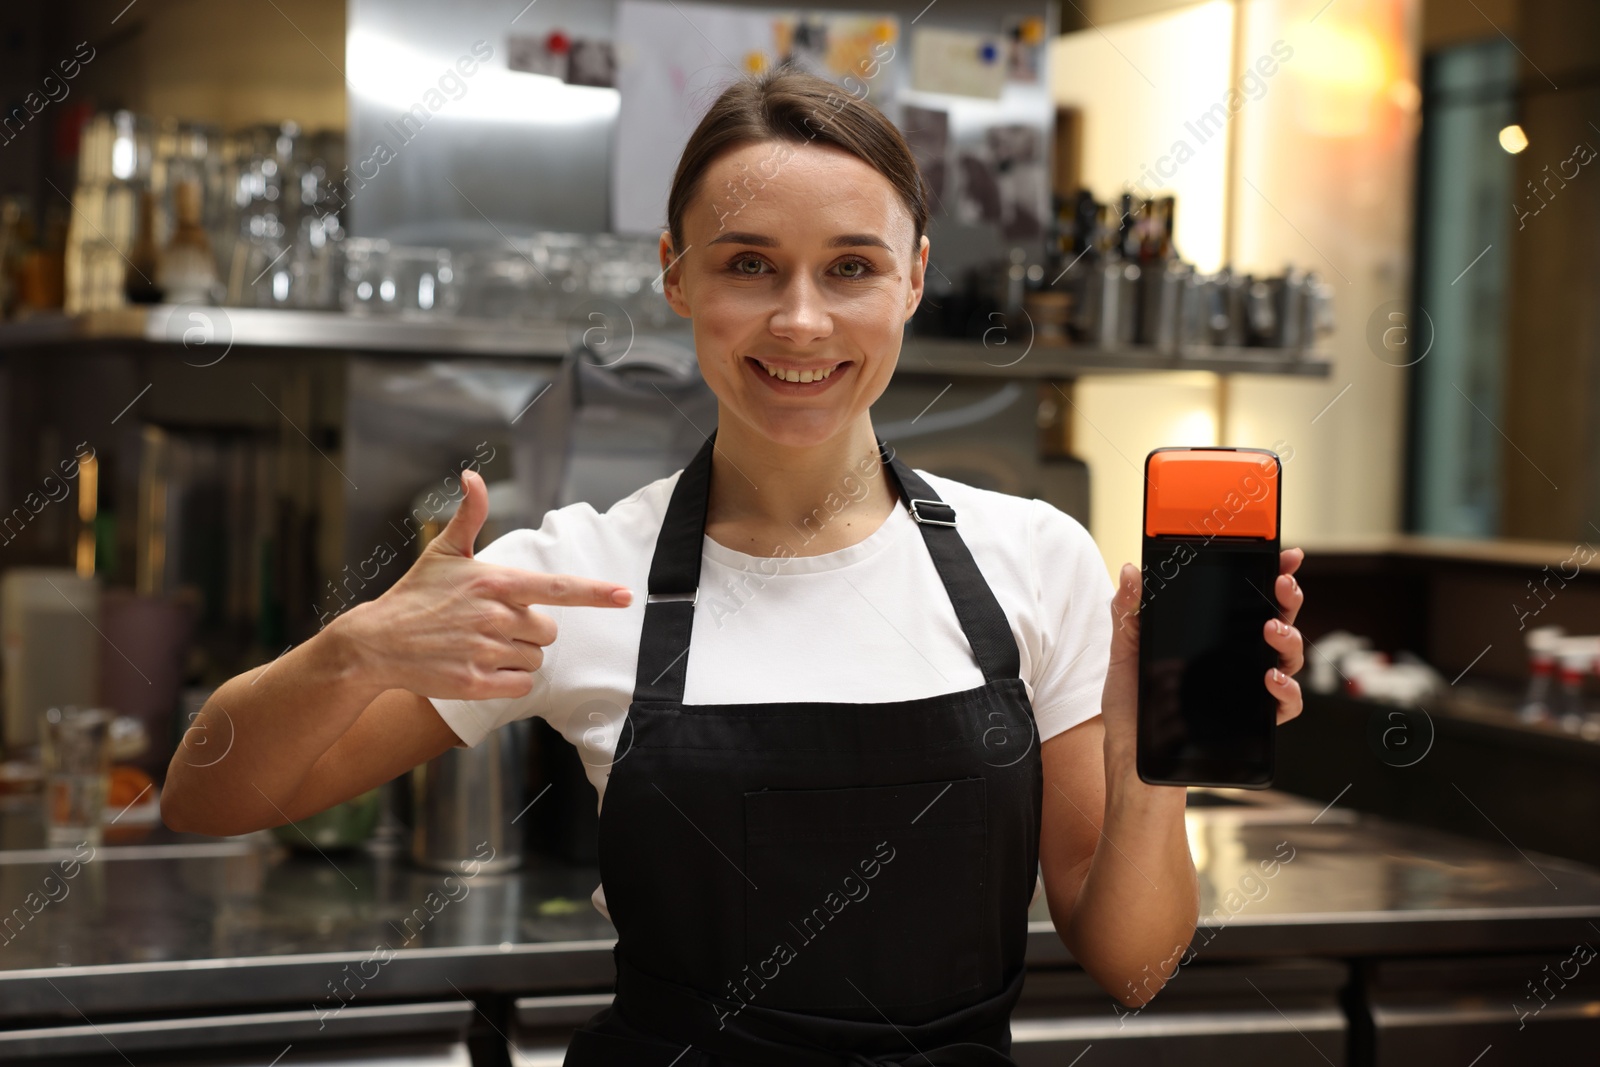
[(671, 282), (919, 268)]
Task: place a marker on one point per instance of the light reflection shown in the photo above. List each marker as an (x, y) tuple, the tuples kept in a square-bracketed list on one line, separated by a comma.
[(395, 75)]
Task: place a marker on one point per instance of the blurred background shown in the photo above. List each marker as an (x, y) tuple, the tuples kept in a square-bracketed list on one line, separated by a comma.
[(273, 272)]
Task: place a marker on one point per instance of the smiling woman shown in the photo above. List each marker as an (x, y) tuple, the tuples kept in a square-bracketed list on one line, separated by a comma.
[(913, 664)]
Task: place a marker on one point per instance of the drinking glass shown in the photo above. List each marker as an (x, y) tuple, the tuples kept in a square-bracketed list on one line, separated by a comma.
[(77, 766)]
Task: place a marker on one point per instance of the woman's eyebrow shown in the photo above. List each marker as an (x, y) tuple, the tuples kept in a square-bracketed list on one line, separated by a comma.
[(844, 240)]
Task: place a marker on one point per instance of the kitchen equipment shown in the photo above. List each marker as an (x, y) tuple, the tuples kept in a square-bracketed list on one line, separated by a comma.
[(1194, 311), (466, 804), (1160, 299), (258, 274), (423, 281), (1111, 304), (1319, 318), (1288, 301), (411, 280), (52, 652), (77, 762), (1227, 321), (1261, 316), (365, 261)]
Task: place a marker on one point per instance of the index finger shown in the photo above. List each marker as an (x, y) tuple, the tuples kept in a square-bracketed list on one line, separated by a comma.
[(534, 587)]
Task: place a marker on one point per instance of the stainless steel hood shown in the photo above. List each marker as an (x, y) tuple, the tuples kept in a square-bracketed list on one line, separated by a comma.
[(443, 156)]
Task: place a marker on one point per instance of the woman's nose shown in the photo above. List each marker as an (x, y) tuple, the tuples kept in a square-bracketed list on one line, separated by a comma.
[(802, 314)]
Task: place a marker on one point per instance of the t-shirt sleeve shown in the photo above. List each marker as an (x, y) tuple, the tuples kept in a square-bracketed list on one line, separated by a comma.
[(1073, 595), (474, 720)]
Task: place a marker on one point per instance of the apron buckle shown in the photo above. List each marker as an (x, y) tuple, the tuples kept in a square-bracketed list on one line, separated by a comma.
[(915, 514), (693, 598)]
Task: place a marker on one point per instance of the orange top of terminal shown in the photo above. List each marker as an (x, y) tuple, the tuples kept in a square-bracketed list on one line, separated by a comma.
[(1211, 492)]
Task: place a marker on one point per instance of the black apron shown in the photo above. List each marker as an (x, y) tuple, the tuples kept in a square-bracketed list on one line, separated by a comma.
[(807, 883)]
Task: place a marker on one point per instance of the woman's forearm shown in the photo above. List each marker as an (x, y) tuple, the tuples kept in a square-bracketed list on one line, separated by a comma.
[(1137, 907), (251, 746)]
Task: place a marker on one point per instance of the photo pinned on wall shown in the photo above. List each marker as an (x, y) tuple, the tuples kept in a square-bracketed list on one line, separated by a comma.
[(1003, 182), (575, 60), (538, 54), (927, 131), (1024, 37), (593, 62)]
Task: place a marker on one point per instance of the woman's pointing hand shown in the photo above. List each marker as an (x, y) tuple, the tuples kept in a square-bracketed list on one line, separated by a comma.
[(454, 627)]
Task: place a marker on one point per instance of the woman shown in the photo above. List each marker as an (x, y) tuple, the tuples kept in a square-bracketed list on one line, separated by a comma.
[(820, 831)]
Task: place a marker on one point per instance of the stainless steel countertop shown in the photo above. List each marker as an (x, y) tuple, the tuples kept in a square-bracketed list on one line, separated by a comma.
[(193, 923)]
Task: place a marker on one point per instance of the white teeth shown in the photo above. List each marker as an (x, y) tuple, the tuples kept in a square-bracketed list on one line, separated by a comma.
[(798, 375)]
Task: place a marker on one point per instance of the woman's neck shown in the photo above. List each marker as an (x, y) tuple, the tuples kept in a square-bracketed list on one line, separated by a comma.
[(769, 499)]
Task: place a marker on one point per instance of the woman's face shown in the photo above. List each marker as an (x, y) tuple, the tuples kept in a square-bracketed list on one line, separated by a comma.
[(796, 258)]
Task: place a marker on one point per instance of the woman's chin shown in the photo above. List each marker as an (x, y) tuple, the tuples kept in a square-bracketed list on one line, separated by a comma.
[(797, 429)]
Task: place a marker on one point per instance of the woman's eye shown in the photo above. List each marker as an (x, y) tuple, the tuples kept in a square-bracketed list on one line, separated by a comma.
[(752, 267)]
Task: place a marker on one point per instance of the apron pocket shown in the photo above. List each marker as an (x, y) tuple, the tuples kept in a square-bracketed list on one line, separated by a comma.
[(867, 899)]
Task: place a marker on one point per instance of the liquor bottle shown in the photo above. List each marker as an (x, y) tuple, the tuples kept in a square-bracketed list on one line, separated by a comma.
[(188, 271), (139, 280)]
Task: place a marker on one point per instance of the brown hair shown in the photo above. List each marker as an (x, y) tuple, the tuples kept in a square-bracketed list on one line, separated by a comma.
[(792, 106)]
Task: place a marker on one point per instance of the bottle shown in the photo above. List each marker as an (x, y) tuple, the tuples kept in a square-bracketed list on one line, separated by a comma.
[(1541, 642), (1574, 661), (188, 272), (138, 281)]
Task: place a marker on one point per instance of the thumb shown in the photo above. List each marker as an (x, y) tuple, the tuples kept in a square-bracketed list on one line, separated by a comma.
[(461, 531), (1125, 613)]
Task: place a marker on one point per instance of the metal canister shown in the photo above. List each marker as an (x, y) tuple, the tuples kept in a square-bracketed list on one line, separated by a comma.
[(1289, 298), (466, 804), (1160, 303)]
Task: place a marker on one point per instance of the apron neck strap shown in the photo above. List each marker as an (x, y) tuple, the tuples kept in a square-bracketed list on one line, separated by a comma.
[(675, 578)]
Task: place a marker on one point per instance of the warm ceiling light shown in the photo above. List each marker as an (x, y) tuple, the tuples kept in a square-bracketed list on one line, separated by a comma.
[(1512, 139)]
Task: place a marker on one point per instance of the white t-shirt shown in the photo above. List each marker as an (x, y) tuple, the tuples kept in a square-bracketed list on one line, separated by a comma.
[(868, 623)]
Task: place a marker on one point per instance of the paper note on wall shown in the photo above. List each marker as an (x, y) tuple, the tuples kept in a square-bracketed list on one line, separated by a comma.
[(958, 62), (675, 58)]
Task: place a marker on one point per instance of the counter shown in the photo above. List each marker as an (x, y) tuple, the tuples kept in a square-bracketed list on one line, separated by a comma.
[(189, 923)]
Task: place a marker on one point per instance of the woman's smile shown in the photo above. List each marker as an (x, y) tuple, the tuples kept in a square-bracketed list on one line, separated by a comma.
[(791, 379)]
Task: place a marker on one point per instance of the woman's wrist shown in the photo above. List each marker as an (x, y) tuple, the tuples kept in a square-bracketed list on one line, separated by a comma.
[(1125, 790), (343, 657)]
